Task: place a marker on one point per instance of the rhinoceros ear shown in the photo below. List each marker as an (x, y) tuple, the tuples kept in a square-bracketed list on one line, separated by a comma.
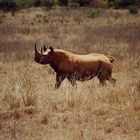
[(51, 48), (44, 48)]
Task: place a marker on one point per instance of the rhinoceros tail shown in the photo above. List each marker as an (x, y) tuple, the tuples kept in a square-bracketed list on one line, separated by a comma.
[(111, 59)]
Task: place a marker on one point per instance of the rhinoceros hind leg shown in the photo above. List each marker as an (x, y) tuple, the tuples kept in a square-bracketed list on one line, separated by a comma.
[(102, 78), (72, 80), (112, 81), (59, 79)]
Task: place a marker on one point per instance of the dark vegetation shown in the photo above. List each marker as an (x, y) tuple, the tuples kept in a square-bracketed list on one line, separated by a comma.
[(131, 5), (123, 3), (14, 5)]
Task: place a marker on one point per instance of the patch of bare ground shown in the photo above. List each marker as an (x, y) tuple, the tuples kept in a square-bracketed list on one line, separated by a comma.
[(30, 108)]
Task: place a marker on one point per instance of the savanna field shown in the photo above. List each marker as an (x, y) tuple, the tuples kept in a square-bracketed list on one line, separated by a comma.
[(30, 107)]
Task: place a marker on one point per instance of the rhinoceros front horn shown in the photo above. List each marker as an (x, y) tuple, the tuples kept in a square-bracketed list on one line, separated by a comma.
[(36, 52), (45, 48)]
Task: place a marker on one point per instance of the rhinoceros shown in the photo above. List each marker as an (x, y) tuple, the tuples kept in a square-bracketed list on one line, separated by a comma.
[(76, 67)]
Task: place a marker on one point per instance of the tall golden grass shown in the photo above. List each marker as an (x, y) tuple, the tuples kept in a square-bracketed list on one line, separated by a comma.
[(30, 108)]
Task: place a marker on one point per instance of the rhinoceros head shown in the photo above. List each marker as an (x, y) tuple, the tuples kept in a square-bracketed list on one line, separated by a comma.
[(44, 56)]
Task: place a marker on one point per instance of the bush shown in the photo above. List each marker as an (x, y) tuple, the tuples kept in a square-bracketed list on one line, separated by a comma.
[(133, 9), (83, 2), (122, 3), (72, 6), (7, 5), (46, 3), (63, 2), (24, 3), (93, 14), (37, 3)]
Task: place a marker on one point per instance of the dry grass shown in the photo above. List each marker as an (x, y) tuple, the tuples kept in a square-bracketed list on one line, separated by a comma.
[(30, 108)]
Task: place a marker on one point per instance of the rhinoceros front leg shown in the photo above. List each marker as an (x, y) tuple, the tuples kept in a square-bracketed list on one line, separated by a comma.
[(59, 79), (112, 80), (72, 81), (102, 77)]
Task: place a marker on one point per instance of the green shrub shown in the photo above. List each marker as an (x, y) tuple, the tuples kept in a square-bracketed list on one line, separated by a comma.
[(122, 3), (24, 3), (72, 6), (83, 2), (63, 2), (48, 3), (133, 9), (37, 3), (7, 5), (93, 13), (21, 4)]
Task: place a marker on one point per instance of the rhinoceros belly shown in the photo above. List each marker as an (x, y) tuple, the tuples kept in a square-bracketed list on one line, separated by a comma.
[(82, 76)]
